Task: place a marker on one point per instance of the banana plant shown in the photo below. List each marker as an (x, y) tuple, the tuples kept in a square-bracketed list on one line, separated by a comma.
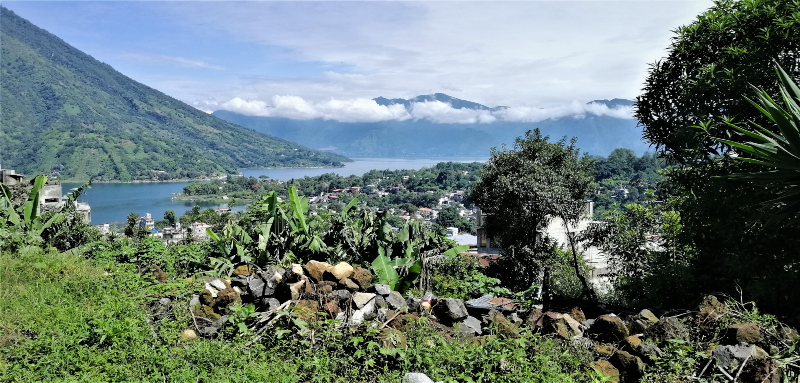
[(31, 220), (779, 151)]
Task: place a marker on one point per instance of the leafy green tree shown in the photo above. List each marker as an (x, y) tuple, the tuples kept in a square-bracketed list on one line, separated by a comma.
[(521, 190), (710, 67), (169, 216)]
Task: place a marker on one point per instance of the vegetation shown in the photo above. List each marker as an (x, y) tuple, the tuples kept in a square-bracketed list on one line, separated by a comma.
[(71, 116), (689, 101), (521, 191)]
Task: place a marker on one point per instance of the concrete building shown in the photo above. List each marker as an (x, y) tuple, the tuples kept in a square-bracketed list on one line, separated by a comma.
[(9, 177)]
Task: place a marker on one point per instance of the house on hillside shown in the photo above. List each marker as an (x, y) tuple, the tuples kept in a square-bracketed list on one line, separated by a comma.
[(558, 231), (147, 222), (9, 177)]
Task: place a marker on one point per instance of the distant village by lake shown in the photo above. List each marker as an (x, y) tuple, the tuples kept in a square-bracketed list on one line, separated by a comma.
[(112, 202)]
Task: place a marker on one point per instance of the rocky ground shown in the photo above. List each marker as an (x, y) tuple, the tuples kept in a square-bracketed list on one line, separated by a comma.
[(733, 346)]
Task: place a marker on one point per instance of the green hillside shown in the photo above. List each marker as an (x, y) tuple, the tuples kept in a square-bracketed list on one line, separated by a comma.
[(65, 113)]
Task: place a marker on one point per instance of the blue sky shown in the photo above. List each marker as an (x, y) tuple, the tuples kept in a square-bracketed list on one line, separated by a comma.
[(328, 59)]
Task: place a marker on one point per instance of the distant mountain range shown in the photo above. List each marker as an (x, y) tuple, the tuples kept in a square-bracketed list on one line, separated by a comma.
[(597, 134), (63, 111)]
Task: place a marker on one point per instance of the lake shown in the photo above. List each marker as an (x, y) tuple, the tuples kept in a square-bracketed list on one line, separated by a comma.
[(112, 202)]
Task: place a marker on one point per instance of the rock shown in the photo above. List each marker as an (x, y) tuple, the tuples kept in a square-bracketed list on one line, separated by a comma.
[(633, 342), (307, 310), (209, 329), (533, 317), (451, 310), (710, 303), (383, 314), (413, 304), (273, 275), (587, 325), (416, 377), (340, 295), (188, 334), (380, 302), (332, 308), (225, 299), (607, 369), (605, 350), (650, 353), (609, 328), (648, 316), (561, 324), (259, 288), (242, 270), (742, 333), (362, 299), (514, 318), (207, 297), (362, 276), (211, 290), (665, 329), (342, 270), (316, 269), (395, 301), (470, 325), (349, 283), (297, 289), (271, 304), (761, 370), (379, 289), (326, 287), (296, 272), (218, 284), (577, 314), (503, 326), (391, 338), (789, 334), (194, 303), (366, 310), (630, 367), (731, 357)]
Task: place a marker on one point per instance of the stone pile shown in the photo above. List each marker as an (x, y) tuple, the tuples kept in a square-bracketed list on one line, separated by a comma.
[(623, 345)]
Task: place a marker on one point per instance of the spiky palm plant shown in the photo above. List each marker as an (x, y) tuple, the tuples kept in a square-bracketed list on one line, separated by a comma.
[(779, 151)]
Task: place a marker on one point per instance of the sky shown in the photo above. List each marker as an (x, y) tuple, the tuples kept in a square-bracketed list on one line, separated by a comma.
[(328, 60)]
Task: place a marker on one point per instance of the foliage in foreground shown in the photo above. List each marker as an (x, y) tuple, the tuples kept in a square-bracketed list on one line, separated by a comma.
[(65, 318)]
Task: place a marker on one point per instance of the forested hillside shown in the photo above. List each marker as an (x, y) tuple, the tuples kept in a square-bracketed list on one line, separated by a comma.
[(67, 114)]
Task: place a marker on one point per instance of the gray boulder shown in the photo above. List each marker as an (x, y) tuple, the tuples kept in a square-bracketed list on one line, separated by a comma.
[(379, 289), (362, 299), (395, 300), (470, 325), (416, 377), (413, 304), (451, 310)]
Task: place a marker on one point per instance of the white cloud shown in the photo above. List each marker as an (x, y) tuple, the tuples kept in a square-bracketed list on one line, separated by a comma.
[(544, 53), (366, 110)]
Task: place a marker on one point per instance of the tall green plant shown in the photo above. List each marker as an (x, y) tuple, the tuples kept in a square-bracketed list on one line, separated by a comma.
[(779, 151)]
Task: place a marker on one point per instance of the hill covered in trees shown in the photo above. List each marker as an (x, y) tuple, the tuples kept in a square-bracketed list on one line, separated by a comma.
[(67, 114)]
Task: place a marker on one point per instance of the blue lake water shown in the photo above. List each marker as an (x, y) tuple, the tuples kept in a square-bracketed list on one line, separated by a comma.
[(112, 202)]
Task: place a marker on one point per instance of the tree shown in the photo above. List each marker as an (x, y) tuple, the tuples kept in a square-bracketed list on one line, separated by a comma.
[(521, 190), (169, 216), (710, 66), (688, 101)]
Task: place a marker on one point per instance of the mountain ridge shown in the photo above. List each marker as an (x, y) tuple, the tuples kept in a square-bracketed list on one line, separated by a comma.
[(67, 114)]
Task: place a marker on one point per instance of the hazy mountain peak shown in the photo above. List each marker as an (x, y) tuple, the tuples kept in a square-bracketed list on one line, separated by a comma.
[(456, 103), (614, 103)]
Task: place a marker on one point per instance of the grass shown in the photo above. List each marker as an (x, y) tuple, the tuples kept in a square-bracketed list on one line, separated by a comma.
[(64, 318)]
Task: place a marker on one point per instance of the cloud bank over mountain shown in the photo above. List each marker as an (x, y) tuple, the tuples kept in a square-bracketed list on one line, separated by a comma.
[(369, 110)]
